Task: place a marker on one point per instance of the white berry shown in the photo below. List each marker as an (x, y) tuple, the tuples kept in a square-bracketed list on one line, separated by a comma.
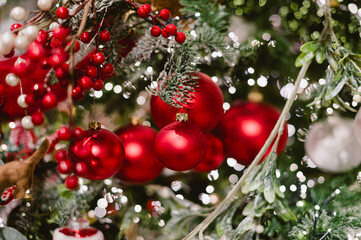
[(26, 122), (356, 98), (45, 5), (31, 32), (21, 42), (12, 80), (21, 101), (18, 14), (7, 40)]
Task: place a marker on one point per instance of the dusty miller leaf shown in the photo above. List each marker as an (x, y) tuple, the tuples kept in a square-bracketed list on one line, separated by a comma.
[(8, 233)]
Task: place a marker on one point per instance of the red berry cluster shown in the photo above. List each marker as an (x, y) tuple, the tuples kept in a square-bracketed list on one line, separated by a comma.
[(160, 28), (65, 165)]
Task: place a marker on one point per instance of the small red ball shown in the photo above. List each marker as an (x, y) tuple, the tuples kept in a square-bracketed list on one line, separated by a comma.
[(15, 26), (98, 85), (78, 132), (86, 37), (65, 166), (30, 99), (164, 14), (56, 60), (37, 118), (42, 37), (55, 42), (36, 51), (171, 29), (60, 155), (60, 73), (21, 67), (98, 58), (214, 155), (142, 12), (49, 101), (62, 13), (61, 33), (64, 133), (72, 182), (10, 54), (155, 31), (2, 90), (105, 36), (180, 146), (44, 64), (147, 7), (77, 93), (108, 69), (76, 47), (92, 72), (85, 83), (38, 90), (165, 34), (180, 37)]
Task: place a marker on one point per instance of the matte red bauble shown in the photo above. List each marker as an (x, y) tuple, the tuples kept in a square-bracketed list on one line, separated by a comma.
[(245, 128), (214, 155), (97, 155), (205, 108), (140, 165), (180, 146)]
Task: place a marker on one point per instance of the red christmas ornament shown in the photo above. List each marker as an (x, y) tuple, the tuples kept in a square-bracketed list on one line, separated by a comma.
[(62, 12), (164, 14), (180, 146), (140, 165), (78, 229), (15, 26), (155, 31), (64, 133), (180, 37), (97, 155), (214, 155), (72, 182), (246, 126), (37, 118), (205, 109)]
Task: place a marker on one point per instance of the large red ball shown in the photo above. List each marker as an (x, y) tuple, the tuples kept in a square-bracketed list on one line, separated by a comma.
[(214, 155), (97, 155), (245, 128), (205, 108), (180, 146), (140, 165)]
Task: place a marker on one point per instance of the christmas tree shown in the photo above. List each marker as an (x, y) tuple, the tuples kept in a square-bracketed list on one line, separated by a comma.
[(189, 119)]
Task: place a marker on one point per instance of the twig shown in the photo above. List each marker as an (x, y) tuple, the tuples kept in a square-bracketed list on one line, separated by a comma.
[(230, 196)]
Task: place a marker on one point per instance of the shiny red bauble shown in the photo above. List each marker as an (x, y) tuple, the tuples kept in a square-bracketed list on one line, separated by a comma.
[(85, 37), (97, 155), (72, 182), (98, 85), (85, 83), (98, 58), (49, 101), (214, 155), (15, 26), (64, 133), (108, 69), (180, 37), (180, 146), (140, 165), (62, 12), (204, 109), (245, 128), (37, 118)]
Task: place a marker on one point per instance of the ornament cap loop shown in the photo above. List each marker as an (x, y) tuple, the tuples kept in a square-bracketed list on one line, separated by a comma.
[(182, 117), (94, 125)]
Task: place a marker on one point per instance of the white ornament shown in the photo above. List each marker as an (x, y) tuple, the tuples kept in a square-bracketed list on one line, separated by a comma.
[(333, 146), (78, 224), (21, 101), (21, 42), (12, 80), (7, 41), (27, 123), (53, 25), (45, 5), (31, 32), (18, 14)]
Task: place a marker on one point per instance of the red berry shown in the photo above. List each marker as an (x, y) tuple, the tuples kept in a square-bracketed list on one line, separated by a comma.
[(77, 93), (15, 26), (165, 33), (164, 14), (29, 99), (147, 7), (155, 31), (64, 133), (171, 29), (77, 46), (55, 42), (36, 51), (42, 37), (85, 37), (61, 33), (49, 101), (65, 67), (108, 69), (37, 118), (78, 132), (92, 72), (38, 90), (180, 37), (56, 60), (98, 85), (142, 12), (98, 58), (65, 166), (60, 73), (85, 83), (2, 90), (60, 155), (11, 54), (44, 64), (21, 67), (105, 36), (62, 12), (72, 182)]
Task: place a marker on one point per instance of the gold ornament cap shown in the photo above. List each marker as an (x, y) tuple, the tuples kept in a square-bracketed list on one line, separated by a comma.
[(182, 117), (94, 125)]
